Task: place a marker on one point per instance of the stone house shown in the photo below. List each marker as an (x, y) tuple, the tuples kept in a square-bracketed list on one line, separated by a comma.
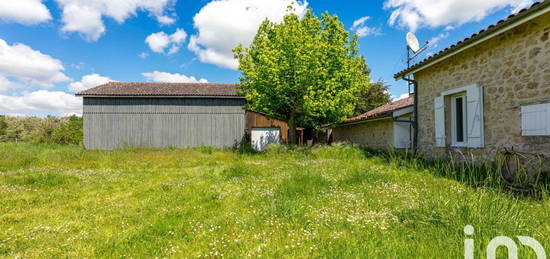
[(384, 128), (489, 91)]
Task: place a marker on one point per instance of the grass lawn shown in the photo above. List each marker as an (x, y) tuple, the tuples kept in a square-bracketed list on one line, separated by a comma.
[(311, 202)]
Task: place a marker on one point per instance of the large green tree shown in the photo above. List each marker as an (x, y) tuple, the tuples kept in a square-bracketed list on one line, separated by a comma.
[(376, 95), (305, 70)]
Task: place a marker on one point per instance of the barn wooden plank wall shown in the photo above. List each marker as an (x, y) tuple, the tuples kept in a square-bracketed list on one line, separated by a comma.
[(111, 123)]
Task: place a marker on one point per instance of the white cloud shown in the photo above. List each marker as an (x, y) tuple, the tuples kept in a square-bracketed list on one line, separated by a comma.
[(88, 81), (41, 102), (84, 20), (517, 5), (360, 21), (363, 30), (24, 11), (78, 65), (159, 41), (157, 76), (29, 66), (86, 16), (400, 97), (223, 24), (165, 20), (415, 14), (433, 43), (143, 55), (6, 84), (435, 40)]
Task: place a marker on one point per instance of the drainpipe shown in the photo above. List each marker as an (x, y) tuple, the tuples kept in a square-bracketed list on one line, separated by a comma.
[(415, 111)]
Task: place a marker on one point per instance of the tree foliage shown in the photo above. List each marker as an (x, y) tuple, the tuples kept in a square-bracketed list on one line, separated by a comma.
[(376, 95), (65, 130), (70, 132), (305, 70), (3, 126)]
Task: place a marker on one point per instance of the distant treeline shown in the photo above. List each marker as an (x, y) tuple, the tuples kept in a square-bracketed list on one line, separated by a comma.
[(64, 130)]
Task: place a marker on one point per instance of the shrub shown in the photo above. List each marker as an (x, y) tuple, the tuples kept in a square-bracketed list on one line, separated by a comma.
[(70, 132), (17, 128), (42, 129), (3, 126), (66, 130)]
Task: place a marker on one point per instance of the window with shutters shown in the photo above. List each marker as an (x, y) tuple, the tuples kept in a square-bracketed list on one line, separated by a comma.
[(459, 121), (535, 120), (466, 115)]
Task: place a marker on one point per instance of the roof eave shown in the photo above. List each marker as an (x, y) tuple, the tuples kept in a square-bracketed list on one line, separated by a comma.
[(159, 96), (375, 118), (521, 18)]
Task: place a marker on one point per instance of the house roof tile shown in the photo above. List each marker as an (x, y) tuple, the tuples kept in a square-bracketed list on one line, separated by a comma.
[(384, 110), (476, 36), (161, 89)]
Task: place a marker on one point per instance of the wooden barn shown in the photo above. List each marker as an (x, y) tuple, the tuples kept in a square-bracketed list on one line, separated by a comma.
[(161, 115)]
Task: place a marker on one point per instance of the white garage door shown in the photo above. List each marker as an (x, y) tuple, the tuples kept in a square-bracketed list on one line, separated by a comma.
[(263, 136)]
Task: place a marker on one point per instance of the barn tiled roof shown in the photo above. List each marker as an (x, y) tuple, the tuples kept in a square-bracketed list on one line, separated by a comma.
[(476, 36), (384, 110), (161, 89)]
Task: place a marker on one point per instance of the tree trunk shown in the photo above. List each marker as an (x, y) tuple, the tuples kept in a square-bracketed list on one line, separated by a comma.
[(292, 129)]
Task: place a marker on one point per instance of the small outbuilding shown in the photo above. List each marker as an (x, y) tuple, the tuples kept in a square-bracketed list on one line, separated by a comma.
[(263, 130), (386, 127)]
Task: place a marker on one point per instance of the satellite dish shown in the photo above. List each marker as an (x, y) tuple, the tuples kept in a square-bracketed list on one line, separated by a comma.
[(412, 42)]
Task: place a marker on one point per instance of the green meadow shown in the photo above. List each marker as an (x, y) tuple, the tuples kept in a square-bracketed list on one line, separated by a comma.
[(326, 201)]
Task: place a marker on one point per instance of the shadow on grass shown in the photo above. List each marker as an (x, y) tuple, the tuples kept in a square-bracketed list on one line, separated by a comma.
[(484, 174)]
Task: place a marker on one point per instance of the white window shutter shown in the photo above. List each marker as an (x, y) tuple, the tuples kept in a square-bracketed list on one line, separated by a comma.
[(474, 110), (535, 120), (439, 119)]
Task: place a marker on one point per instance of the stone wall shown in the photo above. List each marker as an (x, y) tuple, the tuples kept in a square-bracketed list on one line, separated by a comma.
[(513, 69), (376, 134)]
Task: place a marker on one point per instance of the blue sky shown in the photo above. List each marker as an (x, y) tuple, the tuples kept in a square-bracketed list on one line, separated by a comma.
[(50, 49)]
